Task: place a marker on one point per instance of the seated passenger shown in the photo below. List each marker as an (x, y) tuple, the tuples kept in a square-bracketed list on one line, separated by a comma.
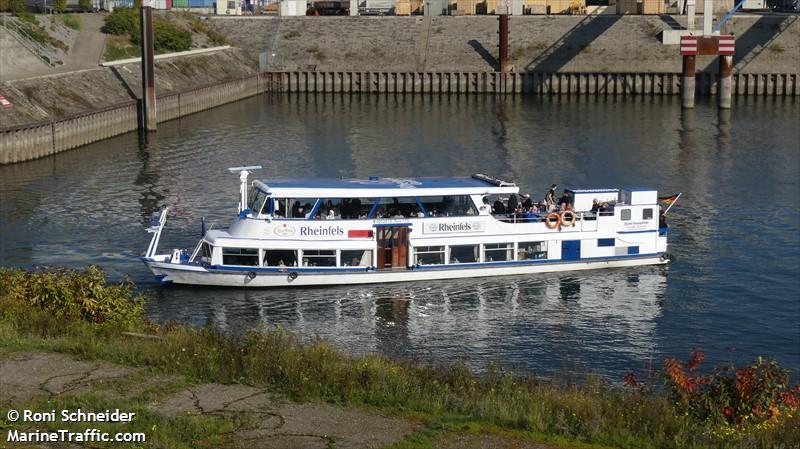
[(499, 208), (565, 198), (513, 202), (528, 203), (595, 206)]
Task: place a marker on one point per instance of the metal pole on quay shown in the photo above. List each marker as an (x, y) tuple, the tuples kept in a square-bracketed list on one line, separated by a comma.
[(147, 111), (503, 39), (689, 53)]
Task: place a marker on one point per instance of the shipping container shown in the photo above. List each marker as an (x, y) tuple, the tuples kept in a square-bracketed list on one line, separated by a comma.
[(157, 4), (653, 7), (201, 3)]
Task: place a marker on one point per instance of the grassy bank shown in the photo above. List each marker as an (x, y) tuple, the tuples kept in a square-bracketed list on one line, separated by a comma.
[(78, 313)]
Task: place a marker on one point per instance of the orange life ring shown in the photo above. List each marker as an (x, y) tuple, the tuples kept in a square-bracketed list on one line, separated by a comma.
[(568, 221), (550, 224)]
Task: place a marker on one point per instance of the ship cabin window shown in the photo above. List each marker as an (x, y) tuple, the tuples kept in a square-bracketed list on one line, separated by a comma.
[(531, 250), (429, 255), (240, 256), (280, 258), (205, 251), (319, 257), (256, 202), (465, 253), (356, 258), (449, 206), (344, 208), (399, 207), (498, 252), (647, 214), (625, 214)]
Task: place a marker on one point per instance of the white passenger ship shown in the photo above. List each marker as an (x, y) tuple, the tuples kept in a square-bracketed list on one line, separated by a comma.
[(303, 232)]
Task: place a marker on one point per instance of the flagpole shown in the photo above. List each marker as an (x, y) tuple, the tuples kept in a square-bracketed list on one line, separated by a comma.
[(673, 203)]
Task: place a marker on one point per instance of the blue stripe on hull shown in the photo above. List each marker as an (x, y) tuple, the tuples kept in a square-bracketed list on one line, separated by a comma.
[(460, 266)]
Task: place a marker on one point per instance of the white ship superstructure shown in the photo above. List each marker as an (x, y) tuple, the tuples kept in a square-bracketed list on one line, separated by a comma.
[(302, 232)]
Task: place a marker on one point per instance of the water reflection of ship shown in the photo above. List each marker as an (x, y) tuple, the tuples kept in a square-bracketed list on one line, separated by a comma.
[(524, 322)]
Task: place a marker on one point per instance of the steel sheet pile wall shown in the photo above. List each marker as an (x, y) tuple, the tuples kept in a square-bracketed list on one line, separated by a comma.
[(523, 83)]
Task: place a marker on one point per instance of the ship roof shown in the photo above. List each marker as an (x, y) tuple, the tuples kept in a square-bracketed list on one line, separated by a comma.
[(384, 187)]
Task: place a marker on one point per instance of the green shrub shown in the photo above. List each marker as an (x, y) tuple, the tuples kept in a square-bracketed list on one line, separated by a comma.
[(123, 21), (60, 5), (85, 5), (58, 297), (169, 38), (14, 6), (71, 20)]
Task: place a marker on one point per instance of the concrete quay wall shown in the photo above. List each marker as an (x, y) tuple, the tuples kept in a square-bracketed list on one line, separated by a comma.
[(26, 142)]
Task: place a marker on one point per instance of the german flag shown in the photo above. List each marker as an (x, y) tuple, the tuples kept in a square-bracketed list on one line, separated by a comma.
[(668, 200)]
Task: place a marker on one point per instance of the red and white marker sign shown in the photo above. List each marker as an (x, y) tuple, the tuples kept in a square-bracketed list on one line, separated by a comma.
[(688, 45), (727, 45), (5, 103)]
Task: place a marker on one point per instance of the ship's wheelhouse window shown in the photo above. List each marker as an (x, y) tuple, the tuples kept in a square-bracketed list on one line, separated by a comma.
[(464, 253), (498, 252), (205, 251), (319, 258), (531, 250), (647, 214), (449, 206), (356, 258), (429, 255), (257, 201), (280, 258), (625, 214), (240, 256)]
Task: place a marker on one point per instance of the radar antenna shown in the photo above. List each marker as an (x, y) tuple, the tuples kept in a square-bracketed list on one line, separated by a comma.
[(243, 173)]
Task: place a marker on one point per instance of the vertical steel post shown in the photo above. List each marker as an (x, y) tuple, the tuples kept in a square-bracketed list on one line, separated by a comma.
[(149, 118), (725, 89), (688, 82), (503, 43)]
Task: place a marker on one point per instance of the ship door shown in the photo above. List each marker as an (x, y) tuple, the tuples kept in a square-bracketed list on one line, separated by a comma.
[(392, 247)]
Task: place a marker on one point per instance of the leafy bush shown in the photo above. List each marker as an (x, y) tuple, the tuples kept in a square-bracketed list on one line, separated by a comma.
[(60, 5), (168, 37), (15, 6), (123, 21), (85, 5), (64, 296), (750, 395)]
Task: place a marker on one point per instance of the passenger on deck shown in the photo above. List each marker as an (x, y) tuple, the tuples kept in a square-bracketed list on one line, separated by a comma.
[(565, 199), (595, 206), (486, 208), (528, 203), (498, 208), (550, 197), (513, 202), (662, 219), (296, 209)]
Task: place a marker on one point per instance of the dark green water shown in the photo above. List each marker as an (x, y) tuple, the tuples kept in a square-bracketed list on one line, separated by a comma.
[(732, 289)]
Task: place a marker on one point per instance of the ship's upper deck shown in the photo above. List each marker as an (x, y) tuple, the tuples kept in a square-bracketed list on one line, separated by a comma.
[(384, 187)]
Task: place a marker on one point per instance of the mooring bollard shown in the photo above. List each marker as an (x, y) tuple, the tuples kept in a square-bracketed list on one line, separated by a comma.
[(688, 82), (726, 49), (689, 52)]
